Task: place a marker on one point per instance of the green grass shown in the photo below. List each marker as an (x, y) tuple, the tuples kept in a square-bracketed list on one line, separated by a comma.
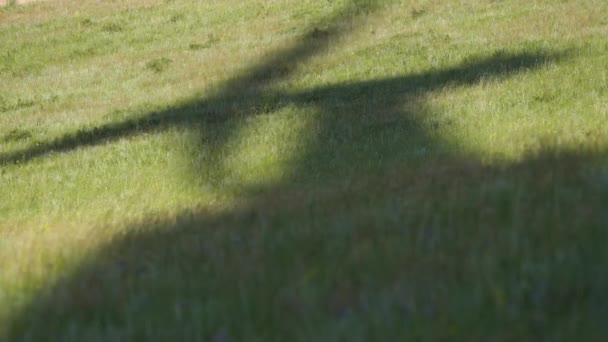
[(290, 170)]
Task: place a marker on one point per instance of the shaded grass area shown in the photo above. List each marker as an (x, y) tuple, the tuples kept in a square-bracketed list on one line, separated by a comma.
[(377, 224), (242, 95), (448, 249)]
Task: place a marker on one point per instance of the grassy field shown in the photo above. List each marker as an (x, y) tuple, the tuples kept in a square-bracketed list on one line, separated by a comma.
[(304, 170)]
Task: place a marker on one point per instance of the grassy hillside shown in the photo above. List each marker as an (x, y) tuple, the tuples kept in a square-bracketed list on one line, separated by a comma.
[(303, 170)]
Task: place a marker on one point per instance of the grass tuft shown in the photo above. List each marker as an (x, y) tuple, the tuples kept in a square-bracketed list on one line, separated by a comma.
[(158, 65)]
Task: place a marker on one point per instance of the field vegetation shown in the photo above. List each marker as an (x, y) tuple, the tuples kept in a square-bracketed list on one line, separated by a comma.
[(304, 170)]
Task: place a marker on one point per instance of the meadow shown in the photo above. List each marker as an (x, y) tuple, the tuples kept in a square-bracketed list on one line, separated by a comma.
[(304, 170)]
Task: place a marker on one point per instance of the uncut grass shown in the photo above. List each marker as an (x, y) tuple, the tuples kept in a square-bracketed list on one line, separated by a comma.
[(347, 194), (506, 253)]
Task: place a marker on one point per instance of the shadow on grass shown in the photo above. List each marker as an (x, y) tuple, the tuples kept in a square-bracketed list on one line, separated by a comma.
[(217, 116), (441, 248), (504, 252), (233, 98)]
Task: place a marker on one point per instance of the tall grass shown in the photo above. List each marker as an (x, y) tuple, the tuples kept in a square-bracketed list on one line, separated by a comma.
[(235, 170)]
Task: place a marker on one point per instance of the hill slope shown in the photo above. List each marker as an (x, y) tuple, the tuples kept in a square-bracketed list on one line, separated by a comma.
[(303, 170)]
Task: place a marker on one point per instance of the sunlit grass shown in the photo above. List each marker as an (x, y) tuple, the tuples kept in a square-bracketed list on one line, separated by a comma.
[(362, 183)]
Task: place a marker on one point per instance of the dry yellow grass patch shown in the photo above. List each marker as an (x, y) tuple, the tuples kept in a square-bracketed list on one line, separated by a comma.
[(18, 2), (41, 10)]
